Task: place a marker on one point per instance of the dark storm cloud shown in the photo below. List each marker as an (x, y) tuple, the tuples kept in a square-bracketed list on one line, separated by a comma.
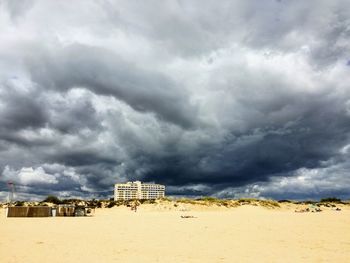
[(230, 99), (70, 115), (254, 156), (28, 110), (20, 110), (77, 158), (105, 73)]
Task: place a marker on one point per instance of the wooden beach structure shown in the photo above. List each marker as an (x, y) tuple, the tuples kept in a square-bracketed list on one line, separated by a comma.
[(73, 210), (65, 210), (28, 211), (46, 211)]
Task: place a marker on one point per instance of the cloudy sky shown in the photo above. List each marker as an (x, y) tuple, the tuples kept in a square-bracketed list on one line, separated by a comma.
[(223, 98)]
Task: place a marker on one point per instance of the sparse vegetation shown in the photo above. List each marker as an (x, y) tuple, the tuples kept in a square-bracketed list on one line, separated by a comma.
[(167, 199), (71, 201), (119, 202), (284, 201), (209, 199), (145, 201), (187, 201), (306, 202), (111, 204), (258, 202), (52, 199), (206, 201), (247, 200), (19, 203), (330, 200), (269, 203)]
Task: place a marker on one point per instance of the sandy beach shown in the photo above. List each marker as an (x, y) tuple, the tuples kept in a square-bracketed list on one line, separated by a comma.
[(155, 234)]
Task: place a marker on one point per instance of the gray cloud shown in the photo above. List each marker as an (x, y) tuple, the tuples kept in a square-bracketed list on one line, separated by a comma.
[(18, 110), (17, 8), (230, 99), (104, 73)]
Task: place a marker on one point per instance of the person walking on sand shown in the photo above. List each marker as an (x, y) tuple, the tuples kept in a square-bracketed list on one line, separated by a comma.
[(134, 206), (137, 203)]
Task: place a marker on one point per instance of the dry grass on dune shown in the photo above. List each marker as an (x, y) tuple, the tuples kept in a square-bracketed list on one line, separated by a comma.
[(209, 202)]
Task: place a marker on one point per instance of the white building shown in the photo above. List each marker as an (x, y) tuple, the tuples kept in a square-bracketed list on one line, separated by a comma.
[(138, 190)]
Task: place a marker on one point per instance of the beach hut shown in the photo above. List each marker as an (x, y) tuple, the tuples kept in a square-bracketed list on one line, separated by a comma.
[(65, 210), (72, 210), (80, 211), (28, 211)]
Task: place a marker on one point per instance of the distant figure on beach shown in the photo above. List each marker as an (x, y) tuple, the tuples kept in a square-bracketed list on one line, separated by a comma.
[(134, 206)]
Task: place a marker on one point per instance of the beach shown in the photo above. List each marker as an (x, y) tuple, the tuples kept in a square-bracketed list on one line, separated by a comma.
[(161, 234)]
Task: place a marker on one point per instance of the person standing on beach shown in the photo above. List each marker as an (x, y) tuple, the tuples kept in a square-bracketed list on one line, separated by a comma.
[(137, 203), (134, 206)]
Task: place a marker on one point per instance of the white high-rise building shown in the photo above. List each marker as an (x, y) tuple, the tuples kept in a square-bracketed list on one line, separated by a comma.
[(138, 190)]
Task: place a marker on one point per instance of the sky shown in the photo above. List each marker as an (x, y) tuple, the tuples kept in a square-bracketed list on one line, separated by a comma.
[(211, 98)]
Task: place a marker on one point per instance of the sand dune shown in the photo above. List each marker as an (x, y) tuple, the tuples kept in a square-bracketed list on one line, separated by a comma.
[(157, 233)]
